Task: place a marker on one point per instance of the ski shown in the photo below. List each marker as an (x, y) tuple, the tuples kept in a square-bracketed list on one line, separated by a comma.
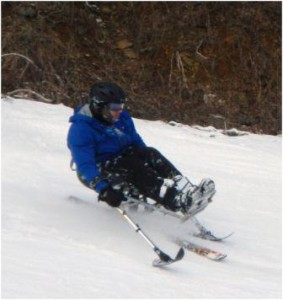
[(202, 251), (211, 237), (165, 260), (206, 234)]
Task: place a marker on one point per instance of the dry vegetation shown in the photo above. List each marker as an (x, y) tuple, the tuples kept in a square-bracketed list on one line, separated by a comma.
[(181, 61)]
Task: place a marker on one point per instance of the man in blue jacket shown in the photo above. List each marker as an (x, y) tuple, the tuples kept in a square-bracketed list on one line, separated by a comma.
[(112, 159)]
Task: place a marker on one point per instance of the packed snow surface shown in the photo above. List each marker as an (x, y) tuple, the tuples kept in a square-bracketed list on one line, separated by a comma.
[(53, 247)]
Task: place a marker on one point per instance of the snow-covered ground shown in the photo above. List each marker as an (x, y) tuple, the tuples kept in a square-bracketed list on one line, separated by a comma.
[(55, 248)]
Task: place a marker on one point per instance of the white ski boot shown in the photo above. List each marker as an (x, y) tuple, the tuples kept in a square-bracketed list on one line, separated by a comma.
[(192, 197), (185, 196)]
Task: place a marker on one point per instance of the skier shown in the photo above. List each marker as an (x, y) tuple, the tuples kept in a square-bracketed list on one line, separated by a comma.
[(112, 159)]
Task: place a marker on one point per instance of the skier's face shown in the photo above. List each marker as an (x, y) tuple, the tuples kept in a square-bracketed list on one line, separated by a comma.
[(115, 114), (112, 112)]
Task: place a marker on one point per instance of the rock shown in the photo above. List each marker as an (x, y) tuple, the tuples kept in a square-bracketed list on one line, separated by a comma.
[(123, 44), (130, 53)]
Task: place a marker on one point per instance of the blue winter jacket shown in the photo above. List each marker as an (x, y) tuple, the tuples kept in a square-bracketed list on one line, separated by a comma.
[(92, 142)]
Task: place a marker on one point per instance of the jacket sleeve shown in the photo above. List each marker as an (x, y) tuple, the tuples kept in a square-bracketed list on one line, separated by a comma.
[(82, 146), (137, 141)]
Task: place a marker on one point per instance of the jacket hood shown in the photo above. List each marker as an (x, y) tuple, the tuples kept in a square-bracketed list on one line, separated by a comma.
[(83, 113)]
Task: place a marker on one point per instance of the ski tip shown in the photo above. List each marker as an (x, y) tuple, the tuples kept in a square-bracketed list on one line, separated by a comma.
[(211, 237), (224, 237)]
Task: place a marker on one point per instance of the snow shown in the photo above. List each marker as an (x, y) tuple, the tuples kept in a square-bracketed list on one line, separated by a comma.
[(56, 248)]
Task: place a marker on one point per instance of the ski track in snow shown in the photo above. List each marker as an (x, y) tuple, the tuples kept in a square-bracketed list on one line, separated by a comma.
[(56, 248)]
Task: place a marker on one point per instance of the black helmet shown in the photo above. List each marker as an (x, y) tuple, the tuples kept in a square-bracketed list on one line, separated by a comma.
[(103, 93)]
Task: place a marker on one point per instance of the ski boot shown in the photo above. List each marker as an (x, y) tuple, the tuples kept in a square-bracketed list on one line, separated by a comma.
[(179, 194), (197, 197)]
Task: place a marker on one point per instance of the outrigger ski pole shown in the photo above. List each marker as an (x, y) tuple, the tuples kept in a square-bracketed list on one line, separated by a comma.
[(164, 259)]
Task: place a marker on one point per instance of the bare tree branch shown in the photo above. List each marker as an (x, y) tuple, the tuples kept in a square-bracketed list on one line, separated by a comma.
[(198, 53), (181, 68), (29, 93), (20, 55)]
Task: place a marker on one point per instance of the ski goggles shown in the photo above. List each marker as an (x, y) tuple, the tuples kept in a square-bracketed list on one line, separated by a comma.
[(115, 106)]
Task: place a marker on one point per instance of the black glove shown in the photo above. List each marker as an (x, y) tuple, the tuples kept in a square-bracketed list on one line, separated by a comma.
[(111, 196)]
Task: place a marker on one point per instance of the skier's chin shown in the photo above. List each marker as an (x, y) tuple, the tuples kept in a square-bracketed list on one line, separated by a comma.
[(116, 119)]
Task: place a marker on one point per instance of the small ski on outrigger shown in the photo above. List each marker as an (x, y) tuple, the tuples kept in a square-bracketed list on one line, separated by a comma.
[(165, 260)]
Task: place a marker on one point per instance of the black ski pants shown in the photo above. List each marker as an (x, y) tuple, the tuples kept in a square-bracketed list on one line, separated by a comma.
[(139, 169)]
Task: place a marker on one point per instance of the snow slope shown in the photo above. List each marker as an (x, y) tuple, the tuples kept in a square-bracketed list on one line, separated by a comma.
[(55, 248)]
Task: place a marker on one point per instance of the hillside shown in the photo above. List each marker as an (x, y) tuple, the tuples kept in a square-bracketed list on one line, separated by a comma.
[(55, 248), (189, 62)]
